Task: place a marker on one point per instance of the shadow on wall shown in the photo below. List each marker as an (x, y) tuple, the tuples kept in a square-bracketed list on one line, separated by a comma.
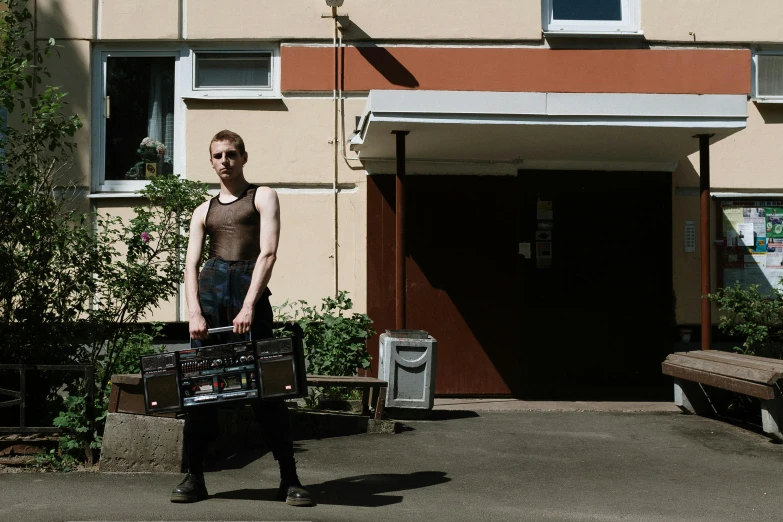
[(771, 112), (460, 276), (236, 105), (70, 71), (379, 57)]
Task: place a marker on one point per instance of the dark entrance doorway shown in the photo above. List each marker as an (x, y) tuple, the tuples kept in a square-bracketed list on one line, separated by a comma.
[(595, 323)]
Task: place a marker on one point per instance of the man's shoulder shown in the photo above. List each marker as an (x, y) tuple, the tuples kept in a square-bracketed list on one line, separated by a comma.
[(265, 195), (262, 190), (201, 210), (202, 207), (265, 200)]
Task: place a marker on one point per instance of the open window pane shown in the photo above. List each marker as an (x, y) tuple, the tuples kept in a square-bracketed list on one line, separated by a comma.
[(770, 77), (140, 124), (222, 70), (593, 10)]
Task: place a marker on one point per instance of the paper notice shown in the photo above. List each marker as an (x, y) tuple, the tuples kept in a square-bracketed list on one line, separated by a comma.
[(746, 236)]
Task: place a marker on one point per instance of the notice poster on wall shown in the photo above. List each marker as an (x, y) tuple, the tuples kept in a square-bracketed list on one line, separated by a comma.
[(752, 251)]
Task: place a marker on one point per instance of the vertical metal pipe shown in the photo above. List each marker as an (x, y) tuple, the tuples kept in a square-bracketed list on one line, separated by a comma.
[(23, 395), (704, 187), (89, 377), (399, 244)]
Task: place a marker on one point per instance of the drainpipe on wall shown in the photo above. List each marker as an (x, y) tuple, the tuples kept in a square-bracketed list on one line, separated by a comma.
[(399, 242), (704, 188), (336, 145)]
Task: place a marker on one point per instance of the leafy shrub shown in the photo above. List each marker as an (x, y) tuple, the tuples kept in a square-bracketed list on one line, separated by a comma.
[(335, 340), (755, 317)]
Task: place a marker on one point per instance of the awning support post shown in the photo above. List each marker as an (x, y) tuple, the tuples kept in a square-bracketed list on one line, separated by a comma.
[(706, 249), (399, 215)]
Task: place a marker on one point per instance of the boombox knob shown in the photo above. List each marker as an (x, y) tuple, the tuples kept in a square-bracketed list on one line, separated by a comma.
[(243, 359), (250, 358)]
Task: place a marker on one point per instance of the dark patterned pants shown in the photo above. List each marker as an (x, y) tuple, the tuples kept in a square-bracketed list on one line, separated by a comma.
[(222, 286)]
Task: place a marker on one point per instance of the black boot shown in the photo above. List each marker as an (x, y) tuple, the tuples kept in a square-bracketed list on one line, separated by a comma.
[(192, 489), (293, 494), (291, 491)]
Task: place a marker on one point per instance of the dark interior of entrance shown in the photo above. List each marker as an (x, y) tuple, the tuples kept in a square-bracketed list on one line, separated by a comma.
[(596, 290), (595, 323)]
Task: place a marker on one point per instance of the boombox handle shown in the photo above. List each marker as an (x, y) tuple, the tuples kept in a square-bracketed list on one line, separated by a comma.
[(223, 329)]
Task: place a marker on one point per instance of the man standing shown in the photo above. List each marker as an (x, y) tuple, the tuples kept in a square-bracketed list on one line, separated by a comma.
[(243, 225)]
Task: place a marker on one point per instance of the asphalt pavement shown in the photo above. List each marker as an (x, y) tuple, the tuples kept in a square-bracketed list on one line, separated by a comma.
[(472, 462)]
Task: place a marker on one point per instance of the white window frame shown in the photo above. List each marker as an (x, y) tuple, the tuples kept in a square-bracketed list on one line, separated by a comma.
[(755, 77), (231, 93), (101, 54), (629, 24)]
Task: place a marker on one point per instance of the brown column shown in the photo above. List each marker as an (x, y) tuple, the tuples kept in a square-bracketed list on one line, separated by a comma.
[(399, 245), (704, 187)]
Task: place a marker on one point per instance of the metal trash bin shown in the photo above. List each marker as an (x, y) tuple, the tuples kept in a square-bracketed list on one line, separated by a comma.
[(407, 361)]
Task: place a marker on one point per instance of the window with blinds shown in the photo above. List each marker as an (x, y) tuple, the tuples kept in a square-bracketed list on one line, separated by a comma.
[(233, 73), (234, 70), (769, 77)]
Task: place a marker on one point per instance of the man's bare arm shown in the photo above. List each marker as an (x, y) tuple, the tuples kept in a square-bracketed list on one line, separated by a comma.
[(269, 207), (197, 324)]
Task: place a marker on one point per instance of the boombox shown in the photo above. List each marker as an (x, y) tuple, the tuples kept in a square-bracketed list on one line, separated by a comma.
[(268, 368)]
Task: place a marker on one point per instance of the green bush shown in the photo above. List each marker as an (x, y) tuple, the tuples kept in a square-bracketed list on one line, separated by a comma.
[(335, 340), (752, 316)]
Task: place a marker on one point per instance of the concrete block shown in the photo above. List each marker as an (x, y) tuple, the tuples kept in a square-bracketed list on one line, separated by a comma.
[(139, 443), (772, 417), (382, 427), (690, 397)]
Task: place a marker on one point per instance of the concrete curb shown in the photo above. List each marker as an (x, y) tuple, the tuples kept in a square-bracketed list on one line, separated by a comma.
[(145, 444)]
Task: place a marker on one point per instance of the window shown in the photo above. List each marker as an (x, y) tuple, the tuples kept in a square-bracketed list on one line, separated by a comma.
[(136, 124), (768, 77), (138, 103), (233, 73), (591, 16)]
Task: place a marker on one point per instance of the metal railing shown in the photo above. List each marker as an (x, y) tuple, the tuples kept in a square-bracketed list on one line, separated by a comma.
[(19, 397)]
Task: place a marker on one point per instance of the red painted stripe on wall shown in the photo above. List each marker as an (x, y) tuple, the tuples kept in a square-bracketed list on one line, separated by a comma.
[(657, 71)]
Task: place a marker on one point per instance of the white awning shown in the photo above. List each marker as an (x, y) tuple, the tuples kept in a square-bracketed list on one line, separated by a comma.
[(540, 130)]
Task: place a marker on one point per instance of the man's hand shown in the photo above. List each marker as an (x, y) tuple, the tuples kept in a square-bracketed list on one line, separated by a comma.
[(198, 327), (243, 320)]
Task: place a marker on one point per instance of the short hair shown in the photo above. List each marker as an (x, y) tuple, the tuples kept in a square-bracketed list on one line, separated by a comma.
[(231, 137)]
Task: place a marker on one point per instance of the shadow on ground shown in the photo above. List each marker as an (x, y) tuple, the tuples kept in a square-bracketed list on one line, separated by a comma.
[(360, 490)]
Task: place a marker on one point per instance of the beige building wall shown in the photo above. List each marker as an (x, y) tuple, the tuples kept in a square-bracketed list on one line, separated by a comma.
[(288, 141), (66, 18), (376, 19), (70, 71), (745, 21), (158, 20)]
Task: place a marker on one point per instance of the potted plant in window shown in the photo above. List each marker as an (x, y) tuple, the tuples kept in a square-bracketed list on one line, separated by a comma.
[(151, 153)]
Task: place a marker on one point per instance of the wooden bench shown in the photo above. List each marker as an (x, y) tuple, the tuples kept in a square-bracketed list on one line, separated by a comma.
[(377, 386), (746, 374), (127, 392)]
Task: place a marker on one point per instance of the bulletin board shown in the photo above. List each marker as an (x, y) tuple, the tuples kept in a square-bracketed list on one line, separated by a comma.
[(750, 243)]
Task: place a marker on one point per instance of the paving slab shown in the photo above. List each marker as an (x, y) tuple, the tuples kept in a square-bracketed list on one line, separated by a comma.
[(464, 465)]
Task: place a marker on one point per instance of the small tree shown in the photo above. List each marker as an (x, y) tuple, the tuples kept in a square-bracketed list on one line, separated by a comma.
[(39, 236), (72, 286)]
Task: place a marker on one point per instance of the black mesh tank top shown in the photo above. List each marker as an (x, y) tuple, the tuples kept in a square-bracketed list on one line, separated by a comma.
[(234, 228)]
